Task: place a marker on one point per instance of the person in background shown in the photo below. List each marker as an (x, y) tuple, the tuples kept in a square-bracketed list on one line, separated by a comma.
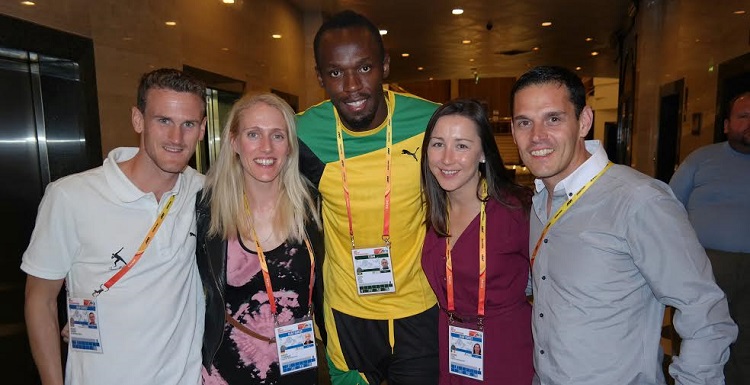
[(149, 313), (464, 180), (256, 210), (713, 185), (610, 247), (361, 149)]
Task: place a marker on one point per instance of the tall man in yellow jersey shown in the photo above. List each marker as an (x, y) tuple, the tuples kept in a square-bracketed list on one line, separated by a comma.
[(361, 149)]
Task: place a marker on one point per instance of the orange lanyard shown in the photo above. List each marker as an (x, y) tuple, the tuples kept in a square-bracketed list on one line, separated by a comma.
[(482, 260), (267, 276), (387, 198), (146, 241), (568, 204)]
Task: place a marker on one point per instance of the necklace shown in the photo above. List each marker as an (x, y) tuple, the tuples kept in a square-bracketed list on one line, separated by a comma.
[(270, 233)]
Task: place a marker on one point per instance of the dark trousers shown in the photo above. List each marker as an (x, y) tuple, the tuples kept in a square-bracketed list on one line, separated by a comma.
[(732, 272)]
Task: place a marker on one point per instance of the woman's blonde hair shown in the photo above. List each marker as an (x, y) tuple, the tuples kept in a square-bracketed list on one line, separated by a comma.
[(225, 180)]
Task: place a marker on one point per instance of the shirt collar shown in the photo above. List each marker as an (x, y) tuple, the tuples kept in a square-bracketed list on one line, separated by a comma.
[(123, 188), (583, 174)]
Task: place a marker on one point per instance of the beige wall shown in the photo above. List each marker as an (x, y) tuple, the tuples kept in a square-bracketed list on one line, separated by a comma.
[(604, 103), (130, 38), (683, 39)]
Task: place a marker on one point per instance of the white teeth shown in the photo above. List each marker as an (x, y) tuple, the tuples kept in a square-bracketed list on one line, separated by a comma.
[(358, 103), (449, 172), (543, 152), (172, 149), (264, 162)]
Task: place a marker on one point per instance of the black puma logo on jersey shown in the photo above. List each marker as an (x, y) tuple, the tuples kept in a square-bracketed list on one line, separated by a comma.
[(413, 154)]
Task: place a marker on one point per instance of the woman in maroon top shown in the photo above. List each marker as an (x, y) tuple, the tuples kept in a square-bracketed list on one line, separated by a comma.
[(463, 177)]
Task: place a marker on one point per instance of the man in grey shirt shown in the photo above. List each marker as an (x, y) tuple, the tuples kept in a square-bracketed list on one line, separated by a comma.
[(610, 248)]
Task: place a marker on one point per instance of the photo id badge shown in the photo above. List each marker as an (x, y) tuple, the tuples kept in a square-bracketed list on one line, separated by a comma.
[(83, 318), (295, 345), (466, 351), (373, 270)]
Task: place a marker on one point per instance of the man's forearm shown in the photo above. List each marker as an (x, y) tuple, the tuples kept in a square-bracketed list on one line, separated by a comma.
[(44, 337)]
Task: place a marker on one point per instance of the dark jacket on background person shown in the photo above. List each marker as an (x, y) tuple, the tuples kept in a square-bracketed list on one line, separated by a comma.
[(211, 255)]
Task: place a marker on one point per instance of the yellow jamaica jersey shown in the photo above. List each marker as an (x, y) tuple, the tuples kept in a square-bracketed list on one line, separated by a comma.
[(365, 164)]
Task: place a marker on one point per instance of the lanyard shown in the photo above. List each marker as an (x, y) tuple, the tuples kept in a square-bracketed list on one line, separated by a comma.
[(387, 194), (482, 260), (565, 208), (267, 276), (146, 241)]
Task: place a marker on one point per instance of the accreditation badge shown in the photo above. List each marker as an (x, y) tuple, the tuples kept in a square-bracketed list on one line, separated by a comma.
[(465, 356), (373, 270), (83, 318), (295, 345)]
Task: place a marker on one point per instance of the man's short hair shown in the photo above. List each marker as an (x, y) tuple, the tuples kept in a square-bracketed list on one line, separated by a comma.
[(347, 19), (170, 79), (553, 75)]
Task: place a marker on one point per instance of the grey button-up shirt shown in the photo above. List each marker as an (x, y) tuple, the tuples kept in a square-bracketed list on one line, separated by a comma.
[(604, 273)]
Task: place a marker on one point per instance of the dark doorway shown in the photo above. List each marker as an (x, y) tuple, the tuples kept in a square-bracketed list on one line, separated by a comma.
[(610, 141), (49, 128), (733, 79), (670, 117)]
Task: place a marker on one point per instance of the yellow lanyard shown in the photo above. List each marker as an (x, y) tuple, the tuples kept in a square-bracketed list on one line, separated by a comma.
[(146, 241), (345, 184), (264, 267), (565, 208), (482, 260)]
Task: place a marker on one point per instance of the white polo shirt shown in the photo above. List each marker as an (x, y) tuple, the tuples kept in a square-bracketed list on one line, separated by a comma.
[(152, 319)]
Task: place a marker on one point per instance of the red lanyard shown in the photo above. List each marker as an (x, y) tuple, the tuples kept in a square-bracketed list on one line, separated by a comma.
[(146, 241), (568, 204), (482, 260), (267, 276), (387, 195)]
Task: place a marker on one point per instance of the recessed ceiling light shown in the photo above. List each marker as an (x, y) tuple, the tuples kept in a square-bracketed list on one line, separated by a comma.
[(430, 78), (28, 3), (383, 32), (594, 53), (171, 23), (466, 41), (228, 1), (578, 68), (546, 24), (739, 12), (404, 54), (276, 36), (225, 49), (457, 11), (472, 59), (420, 68), (535, 49), (127, 38), (589, 39)]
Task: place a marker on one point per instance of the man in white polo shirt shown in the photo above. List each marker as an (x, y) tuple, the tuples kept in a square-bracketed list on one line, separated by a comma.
[(122, 239)]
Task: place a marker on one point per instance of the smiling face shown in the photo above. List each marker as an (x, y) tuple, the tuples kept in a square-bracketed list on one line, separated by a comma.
[(550, 138), (454, 152), (171, 125), (262, 143), (351, 70), (737, 126)]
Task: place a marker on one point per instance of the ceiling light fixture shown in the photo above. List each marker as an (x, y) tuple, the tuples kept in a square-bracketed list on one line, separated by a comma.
[(420, 68), (535, 49), (594, 53), (739, 12), (405, 54), (578, 68), (383, 32), (225, 49), (276, 36), (28, 3), (171, 23), (546, 24), (472, 59), (589, 39), (227, 1), (457, 11), (466, 41), (430, 78)]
